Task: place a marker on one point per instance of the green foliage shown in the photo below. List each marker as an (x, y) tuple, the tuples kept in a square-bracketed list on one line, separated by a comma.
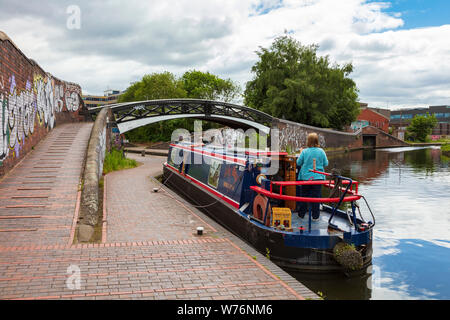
[(321, 295), (154, 86), (193, 84), (293, 83), (115, 160), (267, 253), (445, 147), (421, 127), (204, 85)]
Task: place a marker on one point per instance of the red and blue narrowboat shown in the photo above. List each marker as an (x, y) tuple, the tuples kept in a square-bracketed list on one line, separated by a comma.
[(243, 192)]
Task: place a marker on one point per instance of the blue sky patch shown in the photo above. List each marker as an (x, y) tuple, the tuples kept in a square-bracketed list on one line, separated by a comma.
[(420, 13)]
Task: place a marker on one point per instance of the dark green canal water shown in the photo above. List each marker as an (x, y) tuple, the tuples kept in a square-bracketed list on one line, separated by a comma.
[(409, 191)]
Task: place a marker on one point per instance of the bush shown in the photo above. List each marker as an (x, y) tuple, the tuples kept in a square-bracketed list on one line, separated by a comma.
[(421, 127), (445, 148)]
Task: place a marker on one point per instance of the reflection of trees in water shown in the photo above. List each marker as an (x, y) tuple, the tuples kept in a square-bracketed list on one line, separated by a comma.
[(423, 160), (366, 165), (445, 160), (360, 165)]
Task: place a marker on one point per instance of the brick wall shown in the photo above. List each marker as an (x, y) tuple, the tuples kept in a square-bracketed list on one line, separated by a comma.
[(32, 102), (375, 119), (294, 134), (383, 139)]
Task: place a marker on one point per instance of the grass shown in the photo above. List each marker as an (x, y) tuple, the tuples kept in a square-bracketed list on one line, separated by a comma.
[(115, 161), (445, 147)]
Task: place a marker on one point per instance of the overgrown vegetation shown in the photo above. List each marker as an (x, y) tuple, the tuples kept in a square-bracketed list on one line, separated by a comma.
[(115, 160), (445, 150), (445, 147)]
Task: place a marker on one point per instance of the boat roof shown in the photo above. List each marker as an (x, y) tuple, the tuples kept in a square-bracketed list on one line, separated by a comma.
[(234, 153)]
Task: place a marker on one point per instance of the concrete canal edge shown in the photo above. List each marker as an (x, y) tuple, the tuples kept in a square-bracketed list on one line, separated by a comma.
[(152, 152), (262, 262), (93, 168)]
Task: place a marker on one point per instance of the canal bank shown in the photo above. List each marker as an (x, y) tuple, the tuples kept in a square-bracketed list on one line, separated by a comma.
[(215, 265)]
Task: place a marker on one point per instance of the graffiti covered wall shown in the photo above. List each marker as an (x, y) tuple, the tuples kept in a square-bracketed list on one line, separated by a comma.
[(294, 135), (32, 102)]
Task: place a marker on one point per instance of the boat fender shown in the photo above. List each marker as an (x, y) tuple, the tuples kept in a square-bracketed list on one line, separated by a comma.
[(347, 256), (260, 204)]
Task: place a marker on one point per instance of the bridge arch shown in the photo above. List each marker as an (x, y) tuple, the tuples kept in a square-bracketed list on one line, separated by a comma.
[(131, 115)]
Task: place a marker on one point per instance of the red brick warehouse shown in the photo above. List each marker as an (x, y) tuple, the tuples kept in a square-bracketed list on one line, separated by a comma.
[(375, 119)]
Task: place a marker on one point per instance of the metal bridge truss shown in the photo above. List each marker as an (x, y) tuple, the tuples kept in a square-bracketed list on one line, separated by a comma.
[(131, 115)]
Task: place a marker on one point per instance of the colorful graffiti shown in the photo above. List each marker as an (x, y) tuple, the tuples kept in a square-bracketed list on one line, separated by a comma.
[(37, 104), (295, 136)]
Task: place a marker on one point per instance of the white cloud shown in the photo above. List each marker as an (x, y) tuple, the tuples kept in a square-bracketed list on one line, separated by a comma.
[(119, 42)]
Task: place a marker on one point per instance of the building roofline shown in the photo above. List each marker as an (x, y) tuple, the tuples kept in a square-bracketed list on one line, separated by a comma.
[(377, 113)]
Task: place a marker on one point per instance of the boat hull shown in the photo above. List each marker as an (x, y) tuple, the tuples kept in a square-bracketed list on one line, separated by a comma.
[(268, 242)]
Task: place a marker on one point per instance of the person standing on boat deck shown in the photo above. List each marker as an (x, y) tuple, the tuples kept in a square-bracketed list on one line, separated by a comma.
[(313, 157)]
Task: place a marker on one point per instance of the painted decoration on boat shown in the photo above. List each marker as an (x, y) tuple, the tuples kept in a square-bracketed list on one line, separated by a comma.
[(214, 173)]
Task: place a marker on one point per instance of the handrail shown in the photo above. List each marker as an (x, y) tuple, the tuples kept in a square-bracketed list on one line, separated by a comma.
[(270, 194), (327, 183)]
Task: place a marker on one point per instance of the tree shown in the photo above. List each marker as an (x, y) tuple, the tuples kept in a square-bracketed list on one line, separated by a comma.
[(204, 85), (193, 84), (154, 86), (292, 82), (421, 126)]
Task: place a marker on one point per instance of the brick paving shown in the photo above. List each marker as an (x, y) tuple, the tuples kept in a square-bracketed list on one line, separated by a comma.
[(149, 250), (38, 197)]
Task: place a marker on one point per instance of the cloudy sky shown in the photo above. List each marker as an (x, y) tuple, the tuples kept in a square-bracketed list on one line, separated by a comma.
[(400, 49)]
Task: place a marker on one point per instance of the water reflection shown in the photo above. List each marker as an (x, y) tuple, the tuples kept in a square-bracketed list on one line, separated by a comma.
[(408, 189)]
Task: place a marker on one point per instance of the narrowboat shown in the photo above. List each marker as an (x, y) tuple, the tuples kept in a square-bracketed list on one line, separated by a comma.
[(256, 200)]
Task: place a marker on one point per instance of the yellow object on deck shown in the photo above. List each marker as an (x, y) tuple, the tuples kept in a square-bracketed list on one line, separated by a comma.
[(282, 217)]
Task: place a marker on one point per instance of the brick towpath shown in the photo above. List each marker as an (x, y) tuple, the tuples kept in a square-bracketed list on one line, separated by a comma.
[(217, 265), (150, 250)]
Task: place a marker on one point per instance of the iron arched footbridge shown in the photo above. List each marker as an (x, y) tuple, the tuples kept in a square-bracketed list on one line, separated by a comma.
[(131, 115)]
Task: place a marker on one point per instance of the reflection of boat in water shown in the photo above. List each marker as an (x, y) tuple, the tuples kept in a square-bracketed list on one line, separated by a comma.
[(237, 190)]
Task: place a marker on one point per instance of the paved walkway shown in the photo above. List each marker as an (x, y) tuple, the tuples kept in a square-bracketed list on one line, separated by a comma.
[(215, 265), (38, 197), (150, 251)]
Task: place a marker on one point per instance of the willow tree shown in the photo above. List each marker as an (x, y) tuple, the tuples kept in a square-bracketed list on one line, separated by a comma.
[(292, 82)]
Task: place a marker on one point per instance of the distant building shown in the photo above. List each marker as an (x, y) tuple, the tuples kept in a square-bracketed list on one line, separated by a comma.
[(108, 97), (375, 117), (400, 119)]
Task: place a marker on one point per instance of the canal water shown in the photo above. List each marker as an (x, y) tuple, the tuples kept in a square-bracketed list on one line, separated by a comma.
[(408, 190)]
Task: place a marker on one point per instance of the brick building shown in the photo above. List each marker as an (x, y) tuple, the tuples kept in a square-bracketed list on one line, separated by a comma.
[(375, 117)]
